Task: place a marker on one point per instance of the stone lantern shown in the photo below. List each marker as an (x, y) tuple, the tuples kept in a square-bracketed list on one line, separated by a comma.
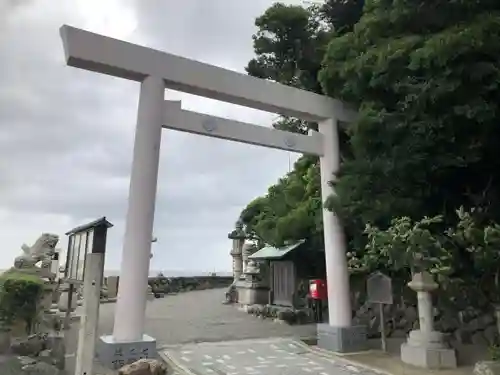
[(426, 347), (238, 237)]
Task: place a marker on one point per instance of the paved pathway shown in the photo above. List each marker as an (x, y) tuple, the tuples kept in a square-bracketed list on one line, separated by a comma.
[(206, 337), (277, 356)]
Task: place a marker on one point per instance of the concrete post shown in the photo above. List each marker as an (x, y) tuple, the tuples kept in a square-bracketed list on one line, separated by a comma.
[(94, 264), (131, 302)]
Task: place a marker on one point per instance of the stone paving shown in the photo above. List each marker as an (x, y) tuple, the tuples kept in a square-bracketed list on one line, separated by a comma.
[(276, 356), (193, 317)]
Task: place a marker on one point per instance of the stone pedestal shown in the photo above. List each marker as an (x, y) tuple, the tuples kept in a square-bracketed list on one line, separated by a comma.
[(251, 295), (114, 355), (425, 347), (251, 289), (342, 339), (428, 350)]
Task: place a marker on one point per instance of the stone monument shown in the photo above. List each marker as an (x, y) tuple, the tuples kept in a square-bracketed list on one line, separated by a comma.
[(426, 347), (238, 237)]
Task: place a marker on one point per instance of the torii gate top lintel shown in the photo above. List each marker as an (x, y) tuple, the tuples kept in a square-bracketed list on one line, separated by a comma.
[(98, 53)]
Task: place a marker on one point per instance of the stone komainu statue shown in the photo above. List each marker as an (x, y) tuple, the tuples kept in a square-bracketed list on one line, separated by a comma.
[(42, 251)]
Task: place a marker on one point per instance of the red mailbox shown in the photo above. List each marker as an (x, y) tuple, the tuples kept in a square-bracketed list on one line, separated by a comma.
[(318, 290)]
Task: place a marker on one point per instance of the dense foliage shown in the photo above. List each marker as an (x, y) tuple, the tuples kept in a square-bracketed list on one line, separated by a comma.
[(20, 295), (291, 210), (290, 46), (409, 246), (425, 76)]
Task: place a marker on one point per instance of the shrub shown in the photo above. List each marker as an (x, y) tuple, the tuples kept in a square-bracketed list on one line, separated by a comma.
[(20, 296)]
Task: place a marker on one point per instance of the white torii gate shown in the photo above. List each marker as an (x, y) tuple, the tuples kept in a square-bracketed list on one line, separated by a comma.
[(157, 71)]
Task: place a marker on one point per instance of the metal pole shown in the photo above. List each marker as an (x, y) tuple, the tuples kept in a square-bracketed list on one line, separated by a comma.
[(382, 327)]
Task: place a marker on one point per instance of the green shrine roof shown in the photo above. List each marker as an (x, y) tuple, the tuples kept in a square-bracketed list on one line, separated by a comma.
[(270, 252)]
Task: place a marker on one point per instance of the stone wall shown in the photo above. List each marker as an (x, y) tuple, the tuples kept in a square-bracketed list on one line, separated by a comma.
[(469, 326), (460, 313), (165, 285)]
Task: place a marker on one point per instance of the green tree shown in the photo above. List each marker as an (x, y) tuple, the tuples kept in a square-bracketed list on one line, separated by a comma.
[(340, 15), (289, 47), (291, 42), (291, 209), (408, 246), (425, 76)]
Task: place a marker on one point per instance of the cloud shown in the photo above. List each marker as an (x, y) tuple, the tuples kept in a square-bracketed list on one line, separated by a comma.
[(66, 135)]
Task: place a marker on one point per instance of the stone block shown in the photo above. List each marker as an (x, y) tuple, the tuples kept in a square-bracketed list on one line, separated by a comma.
[(342, 339), (115, 355), (429, 358), (252, 296)]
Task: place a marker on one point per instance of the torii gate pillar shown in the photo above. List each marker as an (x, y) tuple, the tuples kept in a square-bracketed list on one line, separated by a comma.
[(128, 342), (131, 299), (339, 334)]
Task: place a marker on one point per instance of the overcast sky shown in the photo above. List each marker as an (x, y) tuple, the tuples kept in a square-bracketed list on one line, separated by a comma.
[(66, 135)]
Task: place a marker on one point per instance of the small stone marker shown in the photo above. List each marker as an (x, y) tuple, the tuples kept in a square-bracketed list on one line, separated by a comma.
[(379, 290)]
